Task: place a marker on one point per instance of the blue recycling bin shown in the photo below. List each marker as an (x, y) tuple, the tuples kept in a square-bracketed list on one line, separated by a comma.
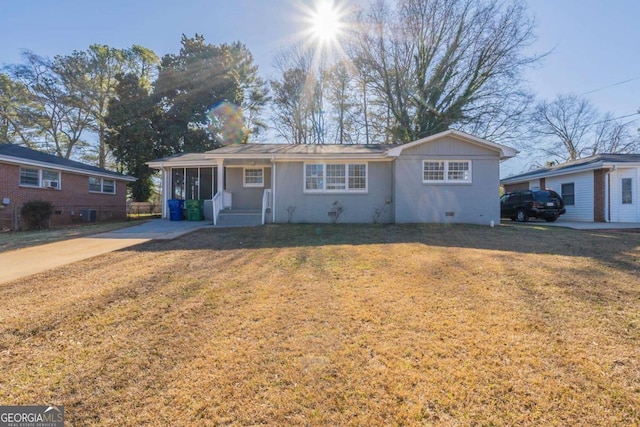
[(175, 209)]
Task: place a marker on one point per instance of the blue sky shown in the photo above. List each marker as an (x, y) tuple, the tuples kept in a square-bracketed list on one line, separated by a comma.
[(594, 43)]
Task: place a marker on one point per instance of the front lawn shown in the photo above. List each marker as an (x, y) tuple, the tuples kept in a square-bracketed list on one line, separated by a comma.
[(335, 325)]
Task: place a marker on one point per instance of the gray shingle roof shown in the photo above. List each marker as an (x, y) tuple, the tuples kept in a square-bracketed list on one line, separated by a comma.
[(55, 162), (303, 149), (282, 150)]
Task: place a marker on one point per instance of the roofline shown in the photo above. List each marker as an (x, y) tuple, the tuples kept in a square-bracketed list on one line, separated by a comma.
[(272, 157), (505, 152), (299, 156), (184, 163), (601, 164), (22, 161)]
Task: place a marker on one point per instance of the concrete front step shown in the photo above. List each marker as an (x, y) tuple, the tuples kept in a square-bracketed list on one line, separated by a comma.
[(238, 218)]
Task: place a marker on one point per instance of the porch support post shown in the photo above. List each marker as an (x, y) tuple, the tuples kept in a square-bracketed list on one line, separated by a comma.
[(166, 188), (220, 188), (273, 191)]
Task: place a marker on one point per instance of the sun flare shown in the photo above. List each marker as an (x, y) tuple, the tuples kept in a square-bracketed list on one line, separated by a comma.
[(326, 22)]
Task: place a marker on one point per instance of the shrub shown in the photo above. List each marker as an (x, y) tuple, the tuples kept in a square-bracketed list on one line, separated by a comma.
[(35, 214)]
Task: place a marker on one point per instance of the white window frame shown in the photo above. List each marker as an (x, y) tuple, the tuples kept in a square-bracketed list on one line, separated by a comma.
[(41, 179), (323, 178), (102, 180), (445, 179), (252, 184), (572, 199), (623, 193)]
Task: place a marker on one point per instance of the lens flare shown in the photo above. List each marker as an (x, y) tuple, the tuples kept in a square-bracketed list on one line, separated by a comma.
[(227, 124)]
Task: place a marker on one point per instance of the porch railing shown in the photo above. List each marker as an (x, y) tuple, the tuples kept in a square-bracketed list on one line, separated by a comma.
[(217, 206), (221, 200), (266, 203)]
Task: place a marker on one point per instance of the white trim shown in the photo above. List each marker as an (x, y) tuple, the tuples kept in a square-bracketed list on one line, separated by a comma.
[(445, 172), (252, 185), (102, 180), (42, 183), (505, 152), (346, 190)]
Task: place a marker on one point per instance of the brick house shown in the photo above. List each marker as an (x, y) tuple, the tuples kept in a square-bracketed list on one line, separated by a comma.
[(599, 188), (78, 192)]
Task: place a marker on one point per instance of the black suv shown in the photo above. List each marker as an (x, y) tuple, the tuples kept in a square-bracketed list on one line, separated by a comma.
[(522, 205)]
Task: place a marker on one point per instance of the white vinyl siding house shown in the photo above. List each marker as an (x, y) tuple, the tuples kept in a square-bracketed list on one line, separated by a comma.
[(582, 208), (606, 187), (625, 206)]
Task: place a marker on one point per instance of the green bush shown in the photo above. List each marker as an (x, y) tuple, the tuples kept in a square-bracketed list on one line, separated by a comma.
[(35, 214)]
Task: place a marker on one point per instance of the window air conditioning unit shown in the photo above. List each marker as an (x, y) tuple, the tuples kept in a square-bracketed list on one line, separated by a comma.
[(50, 184)]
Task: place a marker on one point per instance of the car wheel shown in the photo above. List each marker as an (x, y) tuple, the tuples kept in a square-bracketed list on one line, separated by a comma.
[(551, 218), (521, 216)]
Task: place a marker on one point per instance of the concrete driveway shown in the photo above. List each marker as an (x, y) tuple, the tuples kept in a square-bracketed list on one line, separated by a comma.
[(25, 262), (579, 225)]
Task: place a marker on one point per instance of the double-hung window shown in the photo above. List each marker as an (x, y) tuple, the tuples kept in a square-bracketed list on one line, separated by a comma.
[(102, 185), (446, 171), (39, 178), (627, 191), (568, 191), (335, 177), (253, 177)]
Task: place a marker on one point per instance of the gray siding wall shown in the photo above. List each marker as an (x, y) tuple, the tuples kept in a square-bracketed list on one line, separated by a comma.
[(245, 197), (314, 208), (475, 203)]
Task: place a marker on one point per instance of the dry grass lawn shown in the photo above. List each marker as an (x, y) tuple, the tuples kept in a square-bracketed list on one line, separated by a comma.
[(335, 325)]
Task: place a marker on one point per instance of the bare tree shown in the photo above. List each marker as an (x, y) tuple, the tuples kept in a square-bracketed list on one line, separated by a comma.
[(298, 98), (436, 64), (570, 127), (613, 136)]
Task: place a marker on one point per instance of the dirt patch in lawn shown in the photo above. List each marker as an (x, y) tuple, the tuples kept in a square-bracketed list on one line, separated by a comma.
[(335, 325)]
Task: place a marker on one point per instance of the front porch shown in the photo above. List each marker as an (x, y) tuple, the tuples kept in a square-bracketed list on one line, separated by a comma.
[(233, 193)]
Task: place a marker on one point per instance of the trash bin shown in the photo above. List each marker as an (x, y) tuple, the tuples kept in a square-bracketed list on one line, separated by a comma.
[(175, 209), (195, 209)]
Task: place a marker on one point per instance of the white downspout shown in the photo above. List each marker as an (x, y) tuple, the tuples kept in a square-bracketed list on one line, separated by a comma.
[(607, 193)]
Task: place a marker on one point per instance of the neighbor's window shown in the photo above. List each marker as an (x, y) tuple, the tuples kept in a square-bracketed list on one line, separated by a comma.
[(446, 171), (39, 178), (30, 177), (335, 177), (101, 185), (95, 184), (254, 177), (568, 193), (627, 191), (108, 186)]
